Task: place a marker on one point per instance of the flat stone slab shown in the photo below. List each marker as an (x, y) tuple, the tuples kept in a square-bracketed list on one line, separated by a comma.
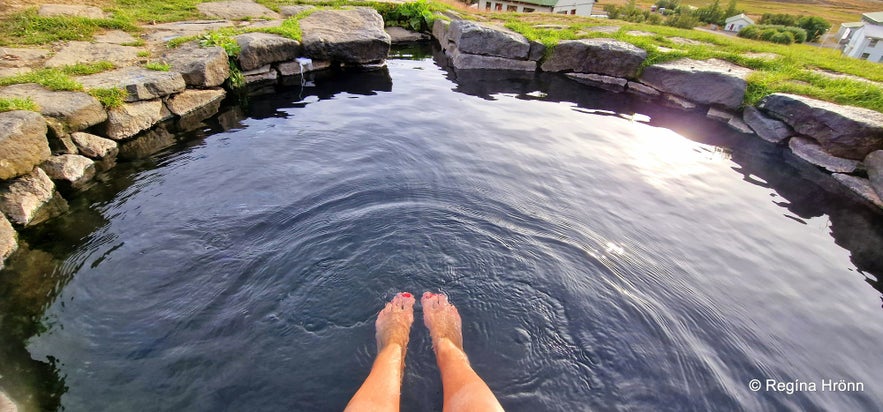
[(72, 111), (115, 37), (73, 170), (131, 118), (843, 131), (688, 42), (812, 152), (259, 49), (85, 52), (70, 10), (615, 84), (474, 38), (874, 164), (718, 114), (236, 10), (189, 101), (22, 57), (200, 66), (642, 89), (22, 199), (761, 56), (711, 82), (603, 29), (771, 130), (291, 11), (639, 33), (295, 68), (138, 82), (859, 186), (737, 124), (14, 71), (23, 143), (403, 35), (95, 147), (8, 244), (347, 36), (167, 31), (465, 61), (601, 56)]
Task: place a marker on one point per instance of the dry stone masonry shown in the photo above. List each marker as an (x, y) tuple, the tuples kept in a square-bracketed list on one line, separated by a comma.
[(73, 136)]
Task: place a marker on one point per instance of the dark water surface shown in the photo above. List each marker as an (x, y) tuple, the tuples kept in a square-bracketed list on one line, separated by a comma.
[(599, 263)]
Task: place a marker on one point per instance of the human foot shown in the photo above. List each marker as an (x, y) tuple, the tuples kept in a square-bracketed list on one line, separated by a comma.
[(442, 319), (393, 325)]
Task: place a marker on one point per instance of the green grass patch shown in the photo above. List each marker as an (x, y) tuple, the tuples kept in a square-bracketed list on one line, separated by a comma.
[(143, 53), (110, 98), (28, 28), (17, 103), (52, 79), (84, 69), (158, 11), (136, 43), (158, 66)]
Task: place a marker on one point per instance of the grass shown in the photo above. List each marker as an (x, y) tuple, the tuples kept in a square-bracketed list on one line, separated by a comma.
[(109, 98), (17, 103), (835, 11), (27, 28), (158, 66), (795, 70), (58, 79)]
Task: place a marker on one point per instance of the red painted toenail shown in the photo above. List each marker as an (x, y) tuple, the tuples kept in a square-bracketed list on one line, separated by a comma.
[(406, 294)]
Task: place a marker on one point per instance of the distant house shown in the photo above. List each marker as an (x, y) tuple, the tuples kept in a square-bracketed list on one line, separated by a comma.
[(737, 22), (576, 7), (863, 39)]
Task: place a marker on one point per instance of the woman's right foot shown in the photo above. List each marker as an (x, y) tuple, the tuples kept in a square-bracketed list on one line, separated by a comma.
[(442, 319)]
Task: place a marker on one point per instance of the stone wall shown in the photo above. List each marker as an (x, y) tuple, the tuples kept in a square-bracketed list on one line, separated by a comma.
[(843, 140), (45, 155)]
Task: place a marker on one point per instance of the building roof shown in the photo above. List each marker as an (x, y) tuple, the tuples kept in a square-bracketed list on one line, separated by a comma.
[(876, 17), (740, 16), (851, 24), (547, 3)]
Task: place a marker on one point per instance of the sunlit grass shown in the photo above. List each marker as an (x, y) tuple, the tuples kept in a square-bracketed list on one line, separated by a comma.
[(17, 103)]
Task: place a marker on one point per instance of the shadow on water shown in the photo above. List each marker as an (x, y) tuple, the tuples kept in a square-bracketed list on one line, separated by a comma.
[(38, 272)]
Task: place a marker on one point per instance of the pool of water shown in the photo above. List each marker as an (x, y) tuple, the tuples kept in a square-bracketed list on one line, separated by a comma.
[(599, 261)]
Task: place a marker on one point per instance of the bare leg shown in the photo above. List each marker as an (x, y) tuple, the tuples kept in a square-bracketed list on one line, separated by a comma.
[(382, 388), (464, 390)]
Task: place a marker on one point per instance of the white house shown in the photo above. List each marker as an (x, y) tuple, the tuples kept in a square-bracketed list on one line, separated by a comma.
[(737, 22), (576, 7), (864, 39)]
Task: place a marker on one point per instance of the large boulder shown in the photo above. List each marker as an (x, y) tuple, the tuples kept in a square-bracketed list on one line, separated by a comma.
[(200, 66), (73, 170), (474, 38), (189, 101), (844, 131), (349, 36), (8, 244), (711, 82), (874, 164), (768, 129), (440, 30), (68, 111), (95, 147), (600, 56), (236, 10), (138, 82), (23, 143), (131, 118), (465, 61), (147, 144), (260, 49), (87, 52), (807, 149), (28, 200)]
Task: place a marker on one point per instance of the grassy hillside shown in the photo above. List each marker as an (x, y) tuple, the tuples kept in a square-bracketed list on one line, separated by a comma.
[(835, 11)]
